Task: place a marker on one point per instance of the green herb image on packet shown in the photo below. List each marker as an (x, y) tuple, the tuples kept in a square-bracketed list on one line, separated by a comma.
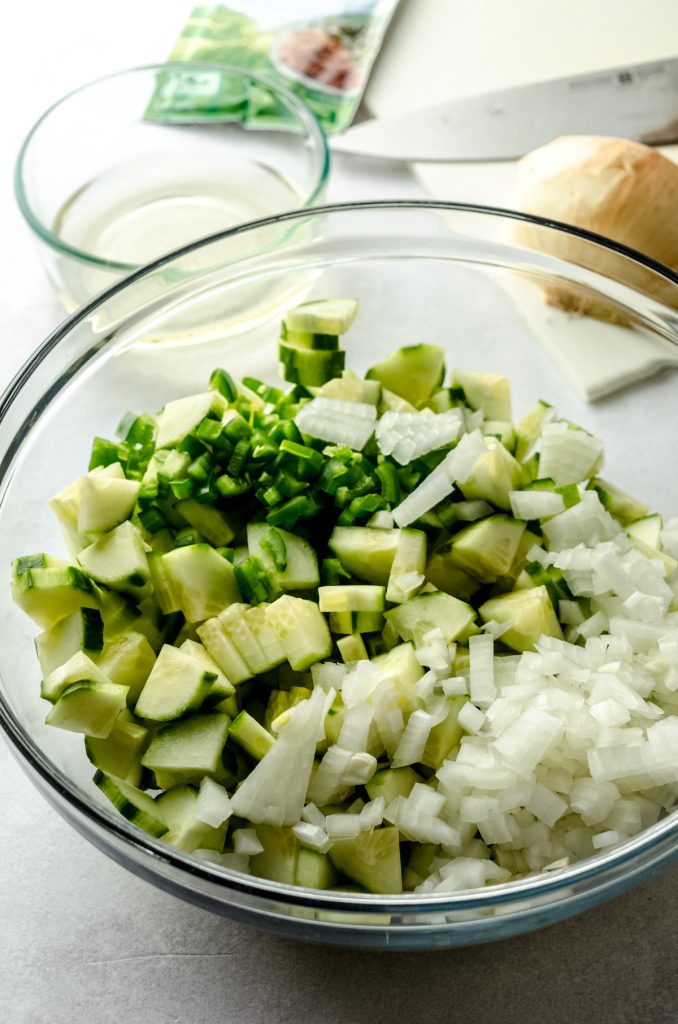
[(324, 58)]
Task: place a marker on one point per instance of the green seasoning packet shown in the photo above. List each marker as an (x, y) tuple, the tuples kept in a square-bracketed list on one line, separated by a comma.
[(324, 57)]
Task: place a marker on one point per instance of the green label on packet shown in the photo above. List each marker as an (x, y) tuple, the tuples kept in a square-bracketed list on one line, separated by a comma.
[(325, 58)]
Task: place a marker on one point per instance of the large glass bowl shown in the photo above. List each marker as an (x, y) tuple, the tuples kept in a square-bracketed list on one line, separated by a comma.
[(458, 276)]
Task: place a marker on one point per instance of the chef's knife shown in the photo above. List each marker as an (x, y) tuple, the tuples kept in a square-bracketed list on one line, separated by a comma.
[(638, 101)]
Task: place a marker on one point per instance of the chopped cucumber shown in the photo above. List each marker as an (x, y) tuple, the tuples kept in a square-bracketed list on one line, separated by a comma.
[(221, 648), (105, 502), (79, 668), (648, 530), (195, 580), (419, 616), (413, 373), (132, 803), (181, 417), (49, 593), (530, 613), (177, 684), (372, 860), (354, 597), (323, 316), (302, 631), (189, 748), (408, 567), (300, 568), (119, 753), (494, 475), (365, 552), (310, 367), (486, 391), (89, 706), (444, 736), (486, 549), (178, 809), (392, 782), (118, 560), (209, 521), (252, 737), (81, 631), (127, 659)]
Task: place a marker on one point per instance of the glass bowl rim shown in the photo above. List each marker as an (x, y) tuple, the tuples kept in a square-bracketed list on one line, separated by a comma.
[(312, 127), (501, 894)]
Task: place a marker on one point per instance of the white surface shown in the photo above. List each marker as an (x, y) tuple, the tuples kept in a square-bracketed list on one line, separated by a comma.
[(82, 941), (521, 42)]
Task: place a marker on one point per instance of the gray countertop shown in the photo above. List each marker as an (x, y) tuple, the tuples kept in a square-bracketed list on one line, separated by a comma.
[(84, 942)]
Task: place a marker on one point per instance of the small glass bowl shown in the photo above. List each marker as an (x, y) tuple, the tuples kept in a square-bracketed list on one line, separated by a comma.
[(428, 272), (131, 166)]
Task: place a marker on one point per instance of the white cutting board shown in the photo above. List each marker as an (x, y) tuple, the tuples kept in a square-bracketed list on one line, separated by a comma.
[(442, 49)]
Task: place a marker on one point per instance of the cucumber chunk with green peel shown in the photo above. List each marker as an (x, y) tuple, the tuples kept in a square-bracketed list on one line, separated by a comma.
[(189, 748), (177, 807), (372, 860), (314, 870), (530, 614), (323, 316), (309, 339), (302, 630), (50, 593), (181, 417), (648, 530), (127, 659), (413, 373), (119, 753), (81, 631), (486, 391), (89, 706), (105, 502), (250, 735), (78, 668), (177, 684), (444, 573), (118, 559), (221, 648), (486, 549), (221, 687), (503, 431), (392, 782), (300, 571), (66, 503), (530, 427), (353, 597), (138, 807), (209, 521), (365, 552), (278, 860), (445, 736), (195, 580), (419, 616), (309, 367), (617, 502), (494, 475), (409, 566), (237, 627)]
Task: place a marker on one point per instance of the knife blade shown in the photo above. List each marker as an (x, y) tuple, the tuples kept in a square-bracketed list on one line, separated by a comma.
[(638, 101)]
